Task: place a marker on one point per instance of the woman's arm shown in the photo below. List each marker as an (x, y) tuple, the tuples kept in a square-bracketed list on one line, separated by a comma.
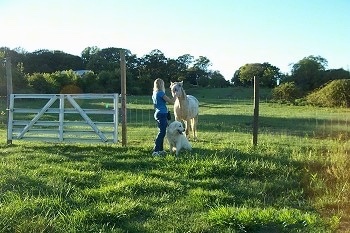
[(169, 100)]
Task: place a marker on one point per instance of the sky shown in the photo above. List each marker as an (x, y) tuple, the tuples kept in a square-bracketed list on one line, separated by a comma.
[(230, 33)]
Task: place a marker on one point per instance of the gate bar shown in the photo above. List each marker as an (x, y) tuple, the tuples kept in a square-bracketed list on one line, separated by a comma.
[(87, 118), (37, 117)]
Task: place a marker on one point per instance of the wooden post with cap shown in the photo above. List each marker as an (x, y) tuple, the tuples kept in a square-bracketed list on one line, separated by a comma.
[(123, 95), (9, 93)]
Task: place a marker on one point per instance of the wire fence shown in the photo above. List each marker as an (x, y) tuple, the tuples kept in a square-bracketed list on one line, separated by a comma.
[(236, 116)]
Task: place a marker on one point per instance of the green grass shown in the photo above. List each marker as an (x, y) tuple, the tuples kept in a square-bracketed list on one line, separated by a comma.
[(295, 180)]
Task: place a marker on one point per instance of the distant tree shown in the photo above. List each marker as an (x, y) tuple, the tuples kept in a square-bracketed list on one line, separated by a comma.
[(270, 75), (267, 73), (40, 84), (173, 69), (217, 80), (335, 74), (236, 80), (105, 64), (65, 61), (132, 64), (198, 74), (89, 83), (248, 71), (87, 53), (109, 81), (45, 61), (19, 83), (203, 81), (184, 62), (107, 59), (202, 63), (17, 55), (152, 66), (39, 61), (308, 72), (192, 76), (132, 73), (20, 50)]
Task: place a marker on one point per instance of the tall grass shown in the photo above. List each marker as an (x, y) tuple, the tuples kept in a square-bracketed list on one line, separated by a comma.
[(295, 180)]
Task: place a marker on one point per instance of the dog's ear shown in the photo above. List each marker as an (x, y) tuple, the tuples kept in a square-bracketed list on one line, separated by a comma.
[(171, 128)]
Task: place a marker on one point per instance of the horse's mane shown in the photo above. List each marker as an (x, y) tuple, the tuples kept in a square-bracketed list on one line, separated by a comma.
[(183, 94)]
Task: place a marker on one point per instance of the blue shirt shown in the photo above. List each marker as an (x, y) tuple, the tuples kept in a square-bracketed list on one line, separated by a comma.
[(158, 102)]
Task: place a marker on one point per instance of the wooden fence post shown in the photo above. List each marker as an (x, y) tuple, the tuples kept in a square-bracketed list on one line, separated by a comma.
[(256, 111), (9, 91), (123, 94)]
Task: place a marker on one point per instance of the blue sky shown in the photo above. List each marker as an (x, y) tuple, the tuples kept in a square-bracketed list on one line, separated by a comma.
[(230, 33)]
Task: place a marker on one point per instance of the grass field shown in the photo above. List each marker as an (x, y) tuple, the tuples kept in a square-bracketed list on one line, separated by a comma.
[(295, 180)]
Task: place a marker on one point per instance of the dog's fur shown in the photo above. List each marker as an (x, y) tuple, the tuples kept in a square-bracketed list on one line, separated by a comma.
[(177, 140)]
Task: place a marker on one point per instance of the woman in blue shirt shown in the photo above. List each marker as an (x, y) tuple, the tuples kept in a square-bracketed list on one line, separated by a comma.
[(160, 114)]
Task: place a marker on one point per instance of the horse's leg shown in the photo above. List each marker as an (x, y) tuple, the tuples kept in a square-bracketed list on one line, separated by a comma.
[(187, 127), (191, 127), (194, 122)]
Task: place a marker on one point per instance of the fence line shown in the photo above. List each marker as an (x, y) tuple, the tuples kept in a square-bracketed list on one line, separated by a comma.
[(322, 123), (319, 124)]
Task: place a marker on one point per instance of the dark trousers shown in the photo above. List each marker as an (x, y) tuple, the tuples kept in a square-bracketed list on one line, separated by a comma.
[(162, 121)]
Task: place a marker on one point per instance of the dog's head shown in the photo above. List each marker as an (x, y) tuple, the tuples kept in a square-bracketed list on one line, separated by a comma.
[(176, 127)]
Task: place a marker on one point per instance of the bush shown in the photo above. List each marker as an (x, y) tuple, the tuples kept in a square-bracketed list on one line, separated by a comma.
[(286, 92), (51, 83), (333, 94), (39, 82)]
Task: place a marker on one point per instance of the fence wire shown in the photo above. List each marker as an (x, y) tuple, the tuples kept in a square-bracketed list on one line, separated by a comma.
[(237, 116)]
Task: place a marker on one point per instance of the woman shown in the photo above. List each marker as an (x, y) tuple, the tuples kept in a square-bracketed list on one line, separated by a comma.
[(160, 115)]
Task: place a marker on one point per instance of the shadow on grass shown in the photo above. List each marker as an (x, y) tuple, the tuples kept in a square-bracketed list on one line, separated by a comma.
[(246, 178)]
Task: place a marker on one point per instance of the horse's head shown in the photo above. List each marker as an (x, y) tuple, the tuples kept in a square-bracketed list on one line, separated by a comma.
[(176, 88)]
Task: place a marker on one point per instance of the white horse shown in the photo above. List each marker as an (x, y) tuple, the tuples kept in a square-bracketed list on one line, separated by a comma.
[(186, 108)]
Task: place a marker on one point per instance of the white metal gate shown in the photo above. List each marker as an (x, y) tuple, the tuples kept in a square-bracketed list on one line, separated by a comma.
[(63, 117)]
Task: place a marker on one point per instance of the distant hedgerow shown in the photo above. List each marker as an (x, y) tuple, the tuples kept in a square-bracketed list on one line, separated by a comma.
[(286, 92), (334, 94)]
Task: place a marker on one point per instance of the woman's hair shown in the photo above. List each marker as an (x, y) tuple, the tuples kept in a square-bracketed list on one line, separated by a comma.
[(158, 85)]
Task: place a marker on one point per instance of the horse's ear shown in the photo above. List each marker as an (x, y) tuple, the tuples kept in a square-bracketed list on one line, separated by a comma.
[(182, 83)]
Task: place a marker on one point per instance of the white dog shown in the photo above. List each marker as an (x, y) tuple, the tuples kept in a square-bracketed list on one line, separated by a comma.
[(176, 138)]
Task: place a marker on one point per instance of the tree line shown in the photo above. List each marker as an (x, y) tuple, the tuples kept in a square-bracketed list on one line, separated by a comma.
[(45, 71)]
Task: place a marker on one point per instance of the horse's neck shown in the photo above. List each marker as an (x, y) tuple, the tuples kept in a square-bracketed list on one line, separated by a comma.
[(183, 98)]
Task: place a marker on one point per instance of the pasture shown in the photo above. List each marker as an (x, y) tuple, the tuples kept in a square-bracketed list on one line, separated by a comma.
[(295, 180)]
